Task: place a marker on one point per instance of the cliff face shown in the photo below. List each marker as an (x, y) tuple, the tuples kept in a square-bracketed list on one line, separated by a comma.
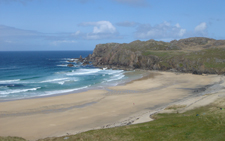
[(196, 55)]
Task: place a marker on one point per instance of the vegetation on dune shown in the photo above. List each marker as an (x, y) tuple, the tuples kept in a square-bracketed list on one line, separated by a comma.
[(175, 107), (11, 139)]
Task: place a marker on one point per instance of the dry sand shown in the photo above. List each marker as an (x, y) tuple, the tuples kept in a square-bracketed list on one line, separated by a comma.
[(132, 103)]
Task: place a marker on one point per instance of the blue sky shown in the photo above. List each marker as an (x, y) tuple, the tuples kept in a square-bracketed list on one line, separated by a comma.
[(81, 24)]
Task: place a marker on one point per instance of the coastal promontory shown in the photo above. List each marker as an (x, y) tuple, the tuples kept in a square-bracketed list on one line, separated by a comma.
[(194, 55)]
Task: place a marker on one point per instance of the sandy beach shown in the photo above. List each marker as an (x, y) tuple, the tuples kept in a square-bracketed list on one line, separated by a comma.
[(126, 104)]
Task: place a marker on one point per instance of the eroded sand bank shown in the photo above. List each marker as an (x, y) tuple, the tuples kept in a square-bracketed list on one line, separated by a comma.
[(38, 118)]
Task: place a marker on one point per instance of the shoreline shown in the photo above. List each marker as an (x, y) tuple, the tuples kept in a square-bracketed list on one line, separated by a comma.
[(97, 109), (94, 87)]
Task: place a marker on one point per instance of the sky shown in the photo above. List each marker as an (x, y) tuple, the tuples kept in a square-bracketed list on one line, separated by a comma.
[(33, 25)]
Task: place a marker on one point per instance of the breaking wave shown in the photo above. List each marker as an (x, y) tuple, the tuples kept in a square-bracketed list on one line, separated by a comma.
[(18, 91)]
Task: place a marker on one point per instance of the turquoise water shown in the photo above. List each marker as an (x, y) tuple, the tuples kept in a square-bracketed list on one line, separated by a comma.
[(44, 73)]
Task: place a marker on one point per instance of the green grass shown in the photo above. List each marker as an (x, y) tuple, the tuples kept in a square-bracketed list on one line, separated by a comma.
[(214, 65), (163, 54), (207, 54), (147, 45), (175, 107), (163, 63), (156, 53), (207, 60), (208, 57), (11, 139)]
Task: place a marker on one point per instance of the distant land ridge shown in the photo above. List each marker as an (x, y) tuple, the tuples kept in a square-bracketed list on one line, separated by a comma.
[(195, 55)]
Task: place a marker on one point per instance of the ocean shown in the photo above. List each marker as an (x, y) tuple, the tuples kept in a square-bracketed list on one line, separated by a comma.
[(44, 73)]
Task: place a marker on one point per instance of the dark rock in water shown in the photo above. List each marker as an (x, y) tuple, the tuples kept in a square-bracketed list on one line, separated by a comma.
[(70, 65), (86, 63), (88, 57), (81, 59), (70, 60)]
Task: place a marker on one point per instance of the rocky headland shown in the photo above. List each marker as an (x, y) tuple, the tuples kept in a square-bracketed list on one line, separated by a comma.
[(195, 55)]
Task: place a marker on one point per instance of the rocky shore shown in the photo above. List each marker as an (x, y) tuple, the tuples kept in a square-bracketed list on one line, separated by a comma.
[(193, 55)]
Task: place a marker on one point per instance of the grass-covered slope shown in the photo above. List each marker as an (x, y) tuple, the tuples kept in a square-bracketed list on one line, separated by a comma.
[(200, 55)]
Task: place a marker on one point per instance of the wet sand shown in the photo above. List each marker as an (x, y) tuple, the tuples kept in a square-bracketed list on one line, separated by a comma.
[(133, 102)]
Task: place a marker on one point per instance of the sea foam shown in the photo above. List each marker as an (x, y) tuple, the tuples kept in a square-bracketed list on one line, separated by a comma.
[(83, 72), (62, 91), (9, 81), (10, 91), (45, 73), (115, 77)]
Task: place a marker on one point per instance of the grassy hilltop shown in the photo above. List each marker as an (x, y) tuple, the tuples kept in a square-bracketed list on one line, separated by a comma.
[(198, 55)]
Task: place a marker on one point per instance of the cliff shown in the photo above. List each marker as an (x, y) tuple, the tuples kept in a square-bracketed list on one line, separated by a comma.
[(196, 55)]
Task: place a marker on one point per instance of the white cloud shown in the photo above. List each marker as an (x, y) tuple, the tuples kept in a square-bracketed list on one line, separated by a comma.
[(182, 32), (201, 27), (160, 31), (100, 26), (166, 30), (177, 25), (76, 33), (104, 27), (101, 30)]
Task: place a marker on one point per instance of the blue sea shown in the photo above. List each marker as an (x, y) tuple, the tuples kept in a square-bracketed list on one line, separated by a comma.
[(44, 73)]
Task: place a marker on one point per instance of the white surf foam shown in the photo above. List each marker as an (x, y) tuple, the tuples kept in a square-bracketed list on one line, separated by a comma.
[(60, 81), (83, 72), (54, 80), (114, 71), (62, 91), (66, 58), (61, 65), (18, 91), (9, 81), (115, 77)]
